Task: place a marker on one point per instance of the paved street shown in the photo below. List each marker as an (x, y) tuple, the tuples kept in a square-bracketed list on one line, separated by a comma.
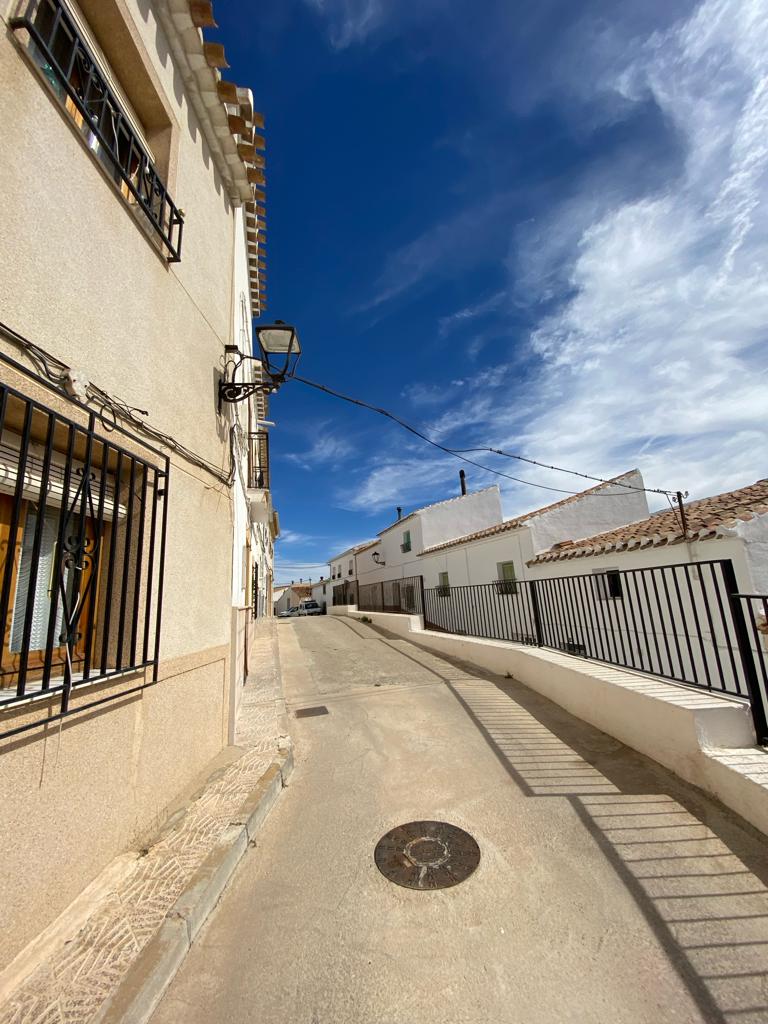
[(607, 890)]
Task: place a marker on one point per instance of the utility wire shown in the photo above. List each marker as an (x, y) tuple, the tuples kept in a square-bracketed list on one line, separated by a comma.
[(110, 407), (458, 452)]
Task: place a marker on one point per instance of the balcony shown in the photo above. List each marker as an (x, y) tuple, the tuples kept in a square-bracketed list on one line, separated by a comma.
[(258, 476), (75, 77)]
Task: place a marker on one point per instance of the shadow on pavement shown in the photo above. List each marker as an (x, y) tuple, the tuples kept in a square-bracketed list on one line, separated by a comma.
[(698, 872)]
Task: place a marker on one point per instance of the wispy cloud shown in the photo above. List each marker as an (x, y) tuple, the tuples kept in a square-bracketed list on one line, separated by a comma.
[(294, 537), (326, 450), (459, 241), (646, 292), (447, 324), (350, 21)]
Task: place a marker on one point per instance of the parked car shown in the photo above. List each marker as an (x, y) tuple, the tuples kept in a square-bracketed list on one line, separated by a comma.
[(310, 608), (288, 613)]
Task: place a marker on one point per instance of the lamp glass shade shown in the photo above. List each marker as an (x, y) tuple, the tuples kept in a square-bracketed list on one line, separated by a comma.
[(278, 339)]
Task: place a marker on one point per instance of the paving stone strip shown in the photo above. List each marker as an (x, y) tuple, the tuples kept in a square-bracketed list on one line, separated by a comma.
[(74, 982)]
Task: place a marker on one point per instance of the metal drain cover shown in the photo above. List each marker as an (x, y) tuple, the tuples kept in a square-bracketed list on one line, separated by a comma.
[(320, 709), (427, 855)]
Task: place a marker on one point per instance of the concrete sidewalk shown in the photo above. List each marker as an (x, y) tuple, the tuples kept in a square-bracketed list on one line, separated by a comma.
[(103, 943), (607, 891)]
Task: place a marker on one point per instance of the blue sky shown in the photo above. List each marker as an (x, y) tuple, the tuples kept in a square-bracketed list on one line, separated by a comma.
[(540, 227)]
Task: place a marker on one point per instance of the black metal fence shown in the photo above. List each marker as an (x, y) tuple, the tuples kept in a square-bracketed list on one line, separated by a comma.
[(404, 596), (683, 622), (754, 608), (82, 552), (73, 74), (345, 593)]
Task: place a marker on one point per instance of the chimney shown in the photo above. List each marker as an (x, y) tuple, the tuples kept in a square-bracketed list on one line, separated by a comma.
[(463, 481), (399, 513)]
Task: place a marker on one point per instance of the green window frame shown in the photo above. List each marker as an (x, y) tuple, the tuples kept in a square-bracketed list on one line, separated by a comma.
[(506, 582)]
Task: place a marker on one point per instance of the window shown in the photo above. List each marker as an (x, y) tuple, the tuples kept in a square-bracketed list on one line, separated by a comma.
[(608, 583), (505, 578), (406, 545), (443, 586), (81, 555), (69, 62), (351, 563)]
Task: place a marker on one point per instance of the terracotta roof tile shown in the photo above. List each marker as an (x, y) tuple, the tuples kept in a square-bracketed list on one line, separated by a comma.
[(705, 517), (513, 524)]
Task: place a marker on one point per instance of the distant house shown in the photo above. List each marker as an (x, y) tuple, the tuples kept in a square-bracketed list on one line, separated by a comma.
[(504, 548), (321, 592), (733, 525), (344, 572), (398, 551), (289, 596)]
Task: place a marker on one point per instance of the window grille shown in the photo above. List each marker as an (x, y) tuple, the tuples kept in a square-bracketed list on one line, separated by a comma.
[(82, 552)]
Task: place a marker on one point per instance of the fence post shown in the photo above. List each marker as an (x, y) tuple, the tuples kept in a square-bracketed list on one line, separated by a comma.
[(756, 698), (536, 613), (423, 602), (382, 594)]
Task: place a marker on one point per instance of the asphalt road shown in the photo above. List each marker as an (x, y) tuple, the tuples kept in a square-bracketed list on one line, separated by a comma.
[(607, 890)]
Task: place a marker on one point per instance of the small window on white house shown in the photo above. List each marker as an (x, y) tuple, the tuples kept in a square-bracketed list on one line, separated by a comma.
[(444, 585), (505, 578), (351, 563), (406, 545), (608, 583)]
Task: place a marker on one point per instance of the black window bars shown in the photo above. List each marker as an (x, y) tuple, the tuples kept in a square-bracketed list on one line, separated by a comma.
[(74, 75), (82, 554)]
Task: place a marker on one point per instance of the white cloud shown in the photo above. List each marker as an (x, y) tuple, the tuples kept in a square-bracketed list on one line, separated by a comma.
[(325, 450), (293, 537), (350, 21), (649, 348), (447, 324), (665, 329)]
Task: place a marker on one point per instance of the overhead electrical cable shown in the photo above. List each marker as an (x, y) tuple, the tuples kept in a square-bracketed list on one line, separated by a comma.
[(458, 453)]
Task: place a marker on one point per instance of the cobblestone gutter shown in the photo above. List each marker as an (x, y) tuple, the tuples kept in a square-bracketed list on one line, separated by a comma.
[(117, 964)]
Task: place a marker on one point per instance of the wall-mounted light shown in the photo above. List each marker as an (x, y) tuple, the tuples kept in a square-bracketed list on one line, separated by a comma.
[(279, 351), (377, 558)]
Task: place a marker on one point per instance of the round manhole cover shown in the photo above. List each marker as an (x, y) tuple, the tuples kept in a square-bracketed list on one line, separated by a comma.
[(427, 855)]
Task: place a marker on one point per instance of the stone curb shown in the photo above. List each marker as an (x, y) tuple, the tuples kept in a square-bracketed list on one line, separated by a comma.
[(151, 973)]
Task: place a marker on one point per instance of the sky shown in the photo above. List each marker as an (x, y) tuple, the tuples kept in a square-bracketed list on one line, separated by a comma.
[(540, 228)]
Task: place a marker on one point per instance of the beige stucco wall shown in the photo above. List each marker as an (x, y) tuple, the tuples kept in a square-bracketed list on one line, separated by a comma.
[(79, 277)]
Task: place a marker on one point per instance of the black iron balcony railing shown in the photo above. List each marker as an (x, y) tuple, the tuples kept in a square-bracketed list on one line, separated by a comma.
[(76, 79), (258, 470), (82, 553)]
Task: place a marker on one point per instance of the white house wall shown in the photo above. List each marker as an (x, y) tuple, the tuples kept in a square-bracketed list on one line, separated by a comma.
[(434, 525), (606, 509), (754, 535), (466, 514)]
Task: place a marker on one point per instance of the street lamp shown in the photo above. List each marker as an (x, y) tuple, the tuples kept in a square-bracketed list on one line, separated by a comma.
[(279, 350)]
